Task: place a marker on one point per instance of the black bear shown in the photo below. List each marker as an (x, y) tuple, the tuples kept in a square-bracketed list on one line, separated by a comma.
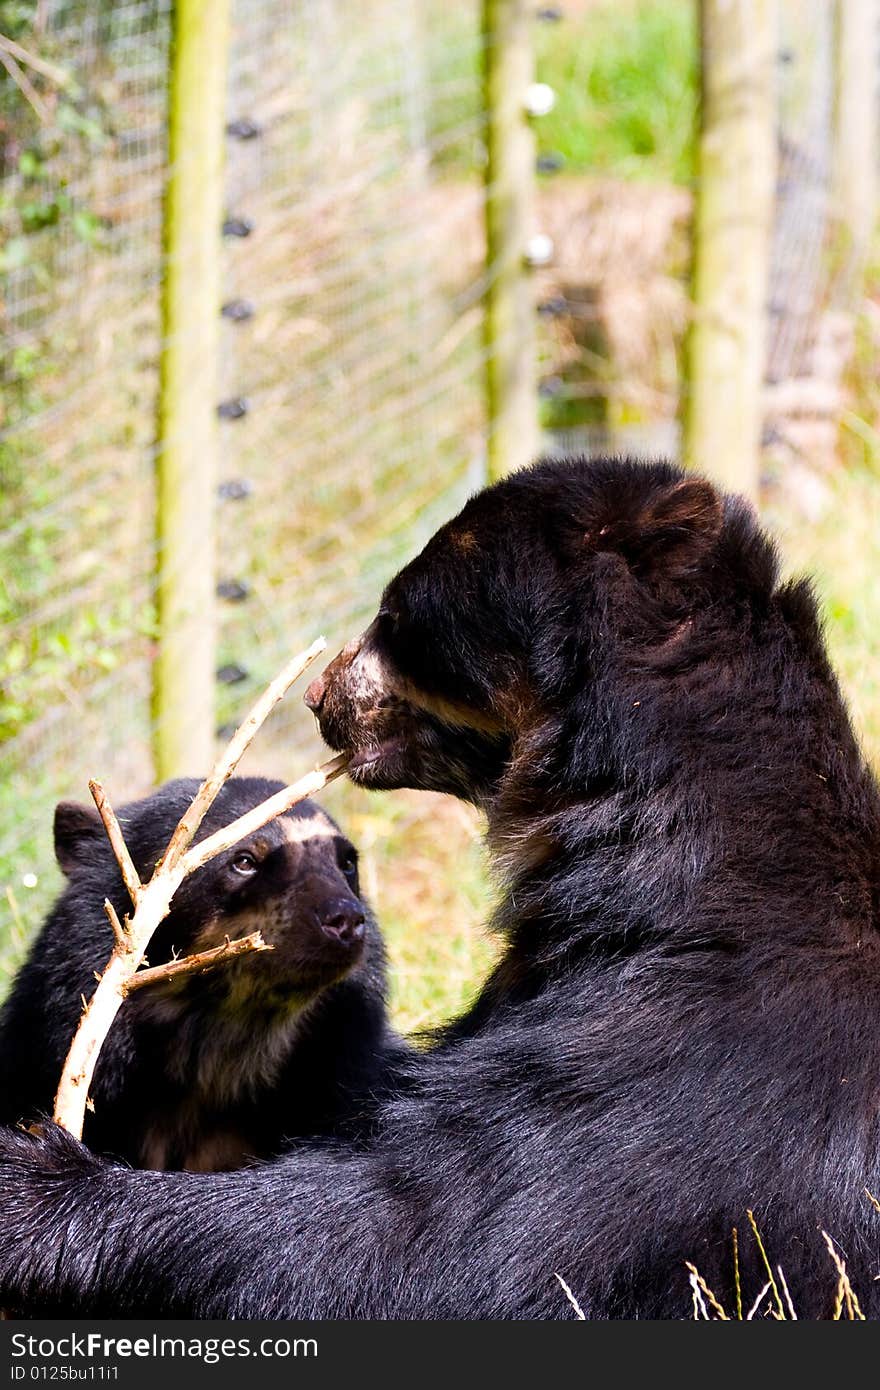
[(208, 1071), (683, 1025)]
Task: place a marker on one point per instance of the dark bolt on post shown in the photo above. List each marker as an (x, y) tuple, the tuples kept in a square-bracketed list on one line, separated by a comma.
[(243, 129), (233, 590), (235, 490), (238, 310), (232, 673), (238, 226), (234, 409)]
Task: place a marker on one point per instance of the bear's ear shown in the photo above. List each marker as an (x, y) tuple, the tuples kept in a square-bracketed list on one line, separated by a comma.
[(77, 829), (674, 529)]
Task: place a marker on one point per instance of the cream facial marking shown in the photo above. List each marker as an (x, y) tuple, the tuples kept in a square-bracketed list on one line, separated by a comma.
[(371, 677), (460, 716), (297, 831), (369, 673)]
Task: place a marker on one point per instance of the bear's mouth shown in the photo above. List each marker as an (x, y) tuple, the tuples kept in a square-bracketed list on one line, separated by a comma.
[(366, 762)]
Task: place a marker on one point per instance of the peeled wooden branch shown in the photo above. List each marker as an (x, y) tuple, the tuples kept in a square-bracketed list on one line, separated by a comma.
[(202, 960), (276, 805), (234, 752), (130, 875), (25, 86), (59, 76), (152, 901)]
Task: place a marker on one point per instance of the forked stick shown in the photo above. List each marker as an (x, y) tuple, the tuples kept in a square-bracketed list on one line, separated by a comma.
[(152, 900), (234, 752)]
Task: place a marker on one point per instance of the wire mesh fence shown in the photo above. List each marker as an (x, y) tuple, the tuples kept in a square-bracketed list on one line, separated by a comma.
[(614, 305), (351, 395)]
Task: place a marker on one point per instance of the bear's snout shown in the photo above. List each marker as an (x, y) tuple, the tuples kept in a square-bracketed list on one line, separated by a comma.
[(353, 694), (315, 692), (344, 921)]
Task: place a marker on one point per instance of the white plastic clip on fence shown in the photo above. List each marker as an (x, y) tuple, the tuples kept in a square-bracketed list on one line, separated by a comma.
[(540, 99), (539, 250)]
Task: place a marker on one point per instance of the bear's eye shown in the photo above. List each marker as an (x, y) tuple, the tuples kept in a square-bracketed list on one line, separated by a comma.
[(349, 863), (244, 864)]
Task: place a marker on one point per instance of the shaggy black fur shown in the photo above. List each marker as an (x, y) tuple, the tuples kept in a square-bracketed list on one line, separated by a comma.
[(684, 1023), (210, 1070)]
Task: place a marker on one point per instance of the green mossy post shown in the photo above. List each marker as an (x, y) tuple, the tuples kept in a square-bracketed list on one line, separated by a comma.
[(733, 226), (855, 132), (187, 445), (511, 380)]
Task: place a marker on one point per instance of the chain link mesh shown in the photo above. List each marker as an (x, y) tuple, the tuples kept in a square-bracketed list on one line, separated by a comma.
[(350, 368), (352, 349)]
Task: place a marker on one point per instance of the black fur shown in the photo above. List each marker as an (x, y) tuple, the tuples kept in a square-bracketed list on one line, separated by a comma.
[(210, 1070), (684, 1024)]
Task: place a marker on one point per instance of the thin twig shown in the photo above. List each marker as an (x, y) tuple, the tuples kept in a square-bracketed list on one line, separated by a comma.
[(770, 1276), (704, 1287), (758, 1301), (578, 1310), (254, 820), (59, 76), (130, 876), (234, 751), (737, 1284), (153, 899), (700, 1310), (838, 1301), (25, 86), (120, 935), (791, 1313), (845, 1288), (202, 960)]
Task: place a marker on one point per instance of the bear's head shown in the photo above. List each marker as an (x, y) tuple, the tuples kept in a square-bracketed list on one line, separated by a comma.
[(499, 623), (295, 880)]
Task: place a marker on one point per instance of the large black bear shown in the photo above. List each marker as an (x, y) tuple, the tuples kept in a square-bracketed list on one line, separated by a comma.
[(207, 1072), (684, 1023)]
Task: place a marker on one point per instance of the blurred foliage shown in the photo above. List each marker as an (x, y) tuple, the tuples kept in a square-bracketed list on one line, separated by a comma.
[(49, 125), (626, 83), (626, 78)]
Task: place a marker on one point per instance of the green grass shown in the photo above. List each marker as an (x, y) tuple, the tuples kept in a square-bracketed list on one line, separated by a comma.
[(625, 74), (625, 77)]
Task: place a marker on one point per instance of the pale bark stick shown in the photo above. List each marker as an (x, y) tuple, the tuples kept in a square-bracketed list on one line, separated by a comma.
[(202, 960), (253, 820), (153, 900), (234, 752), (130, 876), (102, 1008), (121, 936), (31, 60), (25, 86)]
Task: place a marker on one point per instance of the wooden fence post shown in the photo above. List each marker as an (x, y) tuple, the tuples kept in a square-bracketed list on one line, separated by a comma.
[(187, 444), (511, 371), (855, 130), (733, 226)]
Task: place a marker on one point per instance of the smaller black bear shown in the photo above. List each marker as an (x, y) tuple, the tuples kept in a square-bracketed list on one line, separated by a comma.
[(205, 1072)]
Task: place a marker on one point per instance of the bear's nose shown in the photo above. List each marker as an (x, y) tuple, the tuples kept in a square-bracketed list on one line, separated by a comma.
[(344, 922), (314, 696)]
